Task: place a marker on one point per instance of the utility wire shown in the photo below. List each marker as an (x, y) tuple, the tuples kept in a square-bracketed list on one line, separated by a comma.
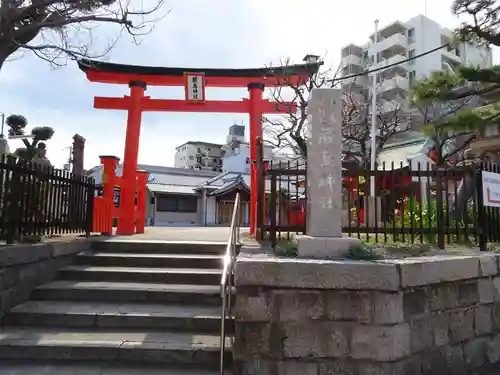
[(366, 72)]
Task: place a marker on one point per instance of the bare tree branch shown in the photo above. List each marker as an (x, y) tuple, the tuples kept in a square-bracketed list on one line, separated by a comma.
[(434, 112), (55, 30), (484, 16), (289, 132)]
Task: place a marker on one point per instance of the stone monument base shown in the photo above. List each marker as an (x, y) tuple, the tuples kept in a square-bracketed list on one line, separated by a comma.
[(325, 247)]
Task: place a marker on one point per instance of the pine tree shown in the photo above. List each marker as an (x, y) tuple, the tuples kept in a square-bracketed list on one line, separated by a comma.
[(466, 83), (482, 24), (34, 149), (463, 85)]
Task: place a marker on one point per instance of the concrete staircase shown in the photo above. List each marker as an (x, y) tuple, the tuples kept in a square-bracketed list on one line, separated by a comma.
[(123, 308)]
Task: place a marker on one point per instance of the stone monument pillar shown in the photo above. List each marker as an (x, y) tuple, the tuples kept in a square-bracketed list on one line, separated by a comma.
[(78, 150), (324, 177)]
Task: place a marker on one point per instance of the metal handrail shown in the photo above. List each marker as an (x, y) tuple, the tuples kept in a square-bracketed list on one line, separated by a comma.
[(227, 276)]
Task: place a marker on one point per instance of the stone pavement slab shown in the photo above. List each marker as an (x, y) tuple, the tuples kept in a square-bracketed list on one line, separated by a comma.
[(22, 336), (109, 308), (118, 286), (86, 368)]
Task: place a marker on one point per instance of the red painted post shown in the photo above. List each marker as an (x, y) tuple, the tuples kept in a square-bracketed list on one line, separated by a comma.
[(142, 177), (109, 180), (127, 199), (255, 111)]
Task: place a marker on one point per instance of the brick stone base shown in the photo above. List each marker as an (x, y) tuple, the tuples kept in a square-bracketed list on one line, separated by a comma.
[(422, 316)]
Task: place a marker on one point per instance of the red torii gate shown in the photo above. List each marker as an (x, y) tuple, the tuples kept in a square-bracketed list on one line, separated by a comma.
[(194, 81)]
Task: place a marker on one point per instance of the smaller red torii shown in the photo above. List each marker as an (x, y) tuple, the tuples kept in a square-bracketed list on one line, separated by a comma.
[(194, 81)]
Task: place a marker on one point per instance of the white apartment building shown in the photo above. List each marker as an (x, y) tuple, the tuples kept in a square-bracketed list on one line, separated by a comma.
[(233, 156), (199, 155), (238, 158), (399, 41)]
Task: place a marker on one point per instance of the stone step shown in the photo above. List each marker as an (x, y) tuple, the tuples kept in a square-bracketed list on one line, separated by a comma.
[(68, 367), (187, 318), (150, 260), (128, 292), (160, 247), (192, 276), (41, 343)]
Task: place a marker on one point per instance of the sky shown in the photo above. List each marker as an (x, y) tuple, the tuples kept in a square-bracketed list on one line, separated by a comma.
[(201, 34)]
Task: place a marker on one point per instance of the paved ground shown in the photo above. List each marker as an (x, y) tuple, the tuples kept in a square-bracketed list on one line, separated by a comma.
[(204, 234), (212, 234), (191, 234)]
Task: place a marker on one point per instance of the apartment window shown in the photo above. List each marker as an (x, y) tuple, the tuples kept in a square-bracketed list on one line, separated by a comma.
[(412, 76), (173, 203), (457, 51), (247, 161), (191, 157), (215, 160), (411, 55), (411, 34)]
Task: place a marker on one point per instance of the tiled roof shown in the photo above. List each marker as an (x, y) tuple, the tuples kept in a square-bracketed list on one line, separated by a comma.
[(173, 170), (176, 179), (230, 185), (224, 178), (173, 189)]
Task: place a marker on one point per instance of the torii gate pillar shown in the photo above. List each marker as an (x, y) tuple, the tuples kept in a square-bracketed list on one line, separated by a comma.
[(255, 111), (126, 221)]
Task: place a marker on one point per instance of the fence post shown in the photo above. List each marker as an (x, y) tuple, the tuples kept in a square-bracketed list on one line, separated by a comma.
[(273, 208), (90, 206), (439, 208), (481, 217)]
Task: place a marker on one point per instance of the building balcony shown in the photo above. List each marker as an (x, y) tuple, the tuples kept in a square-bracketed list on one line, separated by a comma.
[(396, 59), (351, 60), (391, 88), (396, 43), (451, 58), (351, 49), (358, 81), (386, 106)]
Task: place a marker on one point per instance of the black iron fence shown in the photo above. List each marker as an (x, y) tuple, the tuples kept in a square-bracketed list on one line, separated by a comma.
[(39, 201), (428, 205)]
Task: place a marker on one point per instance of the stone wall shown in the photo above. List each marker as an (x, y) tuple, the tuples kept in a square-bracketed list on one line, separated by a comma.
[(23, 267), (436, 315)]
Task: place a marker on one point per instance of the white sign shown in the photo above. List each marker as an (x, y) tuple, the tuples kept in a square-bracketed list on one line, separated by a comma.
[(491, 189), (195, 87)]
